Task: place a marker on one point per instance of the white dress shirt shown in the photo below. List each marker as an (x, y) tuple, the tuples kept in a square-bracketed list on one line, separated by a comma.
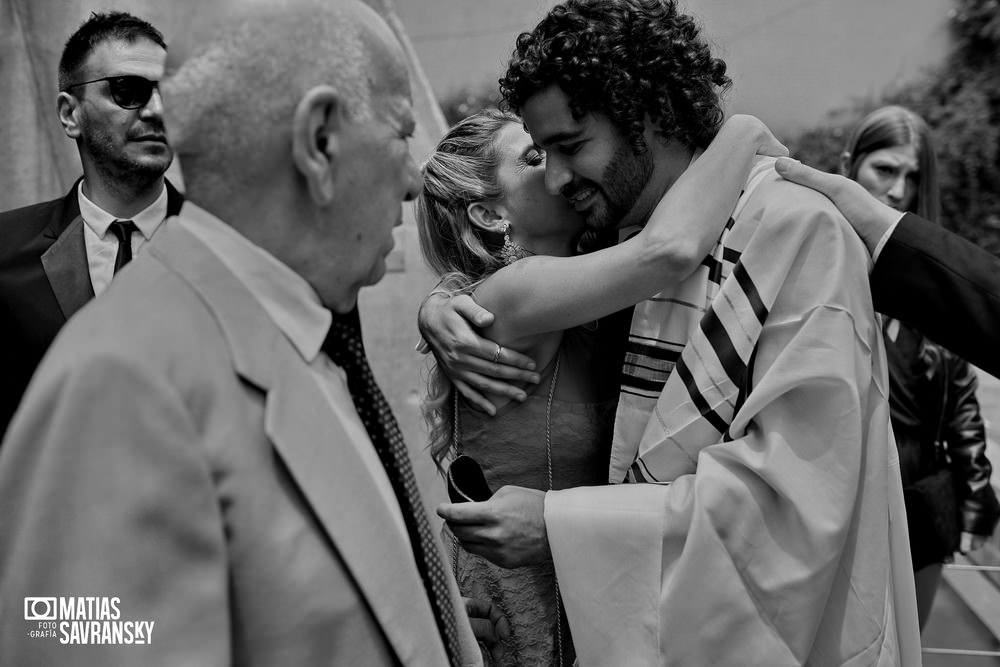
[(102, 244), (885, 239)]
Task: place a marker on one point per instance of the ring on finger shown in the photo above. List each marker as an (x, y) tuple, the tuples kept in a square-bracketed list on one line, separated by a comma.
[(496, 357)]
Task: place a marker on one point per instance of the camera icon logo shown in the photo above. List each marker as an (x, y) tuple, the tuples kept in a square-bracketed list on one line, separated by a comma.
[(40, 609)]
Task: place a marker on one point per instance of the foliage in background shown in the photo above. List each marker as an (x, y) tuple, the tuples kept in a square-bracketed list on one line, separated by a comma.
[(961, 102), (467, 102)]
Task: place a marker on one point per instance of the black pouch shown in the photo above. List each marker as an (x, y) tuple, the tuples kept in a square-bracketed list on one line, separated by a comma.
[(466, 481), (932, 518)]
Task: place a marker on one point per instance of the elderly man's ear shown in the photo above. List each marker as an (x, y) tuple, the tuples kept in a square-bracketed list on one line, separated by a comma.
[(317, 140)]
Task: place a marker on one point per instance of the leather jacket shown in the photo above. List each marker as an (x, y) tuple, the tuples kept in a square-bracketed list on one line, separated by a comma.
[(936, 419)]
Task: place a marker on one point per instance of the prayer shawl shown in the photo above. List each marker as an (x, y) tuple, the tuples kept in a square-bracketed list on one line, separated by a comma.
[(775, 533)]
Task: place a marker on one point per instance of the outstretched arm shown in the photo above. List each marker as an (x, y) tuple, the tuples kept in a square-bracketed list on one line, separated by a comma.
[(937, 281), (679, 234)]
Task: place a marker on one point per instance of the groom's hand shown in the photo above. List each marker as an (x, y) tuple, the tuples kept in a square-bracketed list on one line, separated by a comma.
[(508, 529)]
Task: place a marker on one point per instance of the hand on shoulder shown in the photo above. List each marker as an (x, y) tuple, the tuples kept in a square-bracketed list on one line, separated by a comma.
[(870, 218)]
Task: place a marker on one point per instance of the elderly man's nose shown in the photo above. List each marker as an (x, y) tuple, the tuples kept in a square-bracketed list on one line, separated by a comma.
[(415, 180)]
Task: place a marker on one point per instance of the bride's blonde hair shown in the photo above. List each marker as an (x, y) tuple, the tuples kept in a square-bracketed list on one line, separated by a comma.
[(462, 170)]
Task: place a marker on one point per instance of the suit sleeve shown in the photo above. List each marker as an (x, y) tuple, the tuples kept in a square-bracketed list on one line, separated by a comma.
[(748, 554), (943, 285), (106, 493)]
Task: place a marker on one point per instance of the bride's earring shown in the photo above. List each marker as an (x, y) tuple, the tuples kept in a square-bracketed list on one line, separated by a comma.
[(510, 252)]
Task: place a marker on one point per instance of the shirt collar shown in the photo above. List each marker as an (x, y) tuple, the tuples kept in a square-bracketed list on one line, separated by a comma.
[(147, 220), (287, 298)]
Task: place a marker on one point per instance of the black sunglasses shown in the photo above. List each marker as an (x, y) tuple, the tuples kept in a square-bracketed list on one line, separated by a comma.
[(128, 92)]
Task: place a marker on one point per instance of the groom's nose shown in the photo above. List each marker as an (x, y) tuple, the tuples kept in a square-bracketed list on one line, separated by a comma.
[(557, 173)]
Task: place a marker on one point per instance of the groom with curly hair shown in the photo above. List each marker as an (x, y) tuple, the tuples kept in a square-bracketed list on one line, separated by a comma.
[(763, 523)]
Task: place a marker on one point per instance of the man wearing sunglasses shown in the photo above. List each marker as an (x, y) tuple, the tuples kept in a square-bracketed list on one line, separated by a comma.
[(57, 255)]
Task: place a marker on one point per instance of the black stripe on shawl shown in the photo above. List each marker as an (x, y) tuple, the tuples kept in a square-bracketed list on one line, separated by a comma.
[(642, 377), (643, 394), (652, 351), (750, 290), (745, 390), (641, 473), (641, 384), (710, 415), (714, 265), (719, 340)]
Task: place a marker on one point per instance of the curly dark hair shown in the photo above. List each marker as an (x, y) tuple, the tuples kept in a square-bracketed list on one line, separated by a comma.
[(625, 58)]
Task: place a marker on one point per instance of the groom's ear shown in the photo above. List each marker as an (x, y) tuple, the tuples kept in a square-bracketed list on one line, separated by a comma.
[(486, 217), (652, 134)]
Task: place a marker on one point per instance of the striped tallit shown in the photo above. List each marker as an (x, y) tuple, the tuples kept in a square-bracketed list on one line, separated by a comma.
[(774, 532), (705, 329)]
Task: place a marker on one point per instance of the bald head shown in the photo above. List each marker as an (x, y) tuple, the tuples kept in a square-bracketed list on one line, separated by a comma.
[(291, 124), (230, 104)]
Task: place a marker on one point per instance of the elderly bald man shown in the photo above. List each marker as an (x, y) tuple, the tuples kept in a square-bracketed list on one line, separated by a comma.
[(203, 472)]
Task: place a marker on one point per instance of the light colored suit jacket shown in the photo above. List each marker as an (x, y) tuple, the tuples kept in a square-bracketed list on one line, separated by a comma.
[(174, 452)]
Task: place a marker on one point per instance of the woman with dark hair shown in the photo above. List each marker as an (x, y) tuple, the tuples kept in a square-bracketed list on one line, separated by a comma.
[(490, 229), (950, 505)]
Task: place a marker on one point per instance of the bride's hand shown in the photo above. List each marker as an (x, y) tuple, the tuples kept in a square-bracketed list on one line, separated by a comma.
[(489, 625), (477, 366)]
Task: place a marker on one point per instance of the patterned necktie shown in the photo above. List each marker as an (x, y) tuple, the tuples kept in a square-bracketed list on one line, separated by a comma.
[(123, 230), (345, 348)]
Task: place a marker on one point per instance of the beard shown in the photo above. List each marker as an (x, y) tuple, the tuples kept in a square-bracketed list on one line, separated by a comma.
[(624, 179), (111, 157)]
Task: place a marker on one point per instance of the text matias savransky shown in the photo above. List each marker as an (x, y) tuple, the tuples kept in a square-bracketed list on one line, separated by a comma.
[(84, 620)]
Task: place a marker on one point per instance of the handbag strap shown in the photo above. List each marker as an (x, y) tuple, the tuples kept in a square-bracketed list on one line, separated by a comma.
[(455, 429), (945, 383)]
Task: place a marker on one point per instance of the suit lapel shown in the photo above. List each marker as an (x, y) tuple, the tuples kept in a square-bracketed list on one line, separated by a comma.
[(65, 261), (368, 534), (318, 451), (174, 199), (65, 265)]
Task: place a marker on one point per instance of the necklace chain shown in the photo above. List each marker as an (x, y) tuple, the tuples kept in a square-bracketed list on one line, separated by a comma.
[(548, 465), (548, 470)]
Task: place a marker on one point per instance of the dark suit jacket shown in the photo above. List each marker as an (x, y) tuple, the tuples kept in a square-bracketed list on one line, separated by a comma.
[(194, 469), (44, 279), (943, 285)]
